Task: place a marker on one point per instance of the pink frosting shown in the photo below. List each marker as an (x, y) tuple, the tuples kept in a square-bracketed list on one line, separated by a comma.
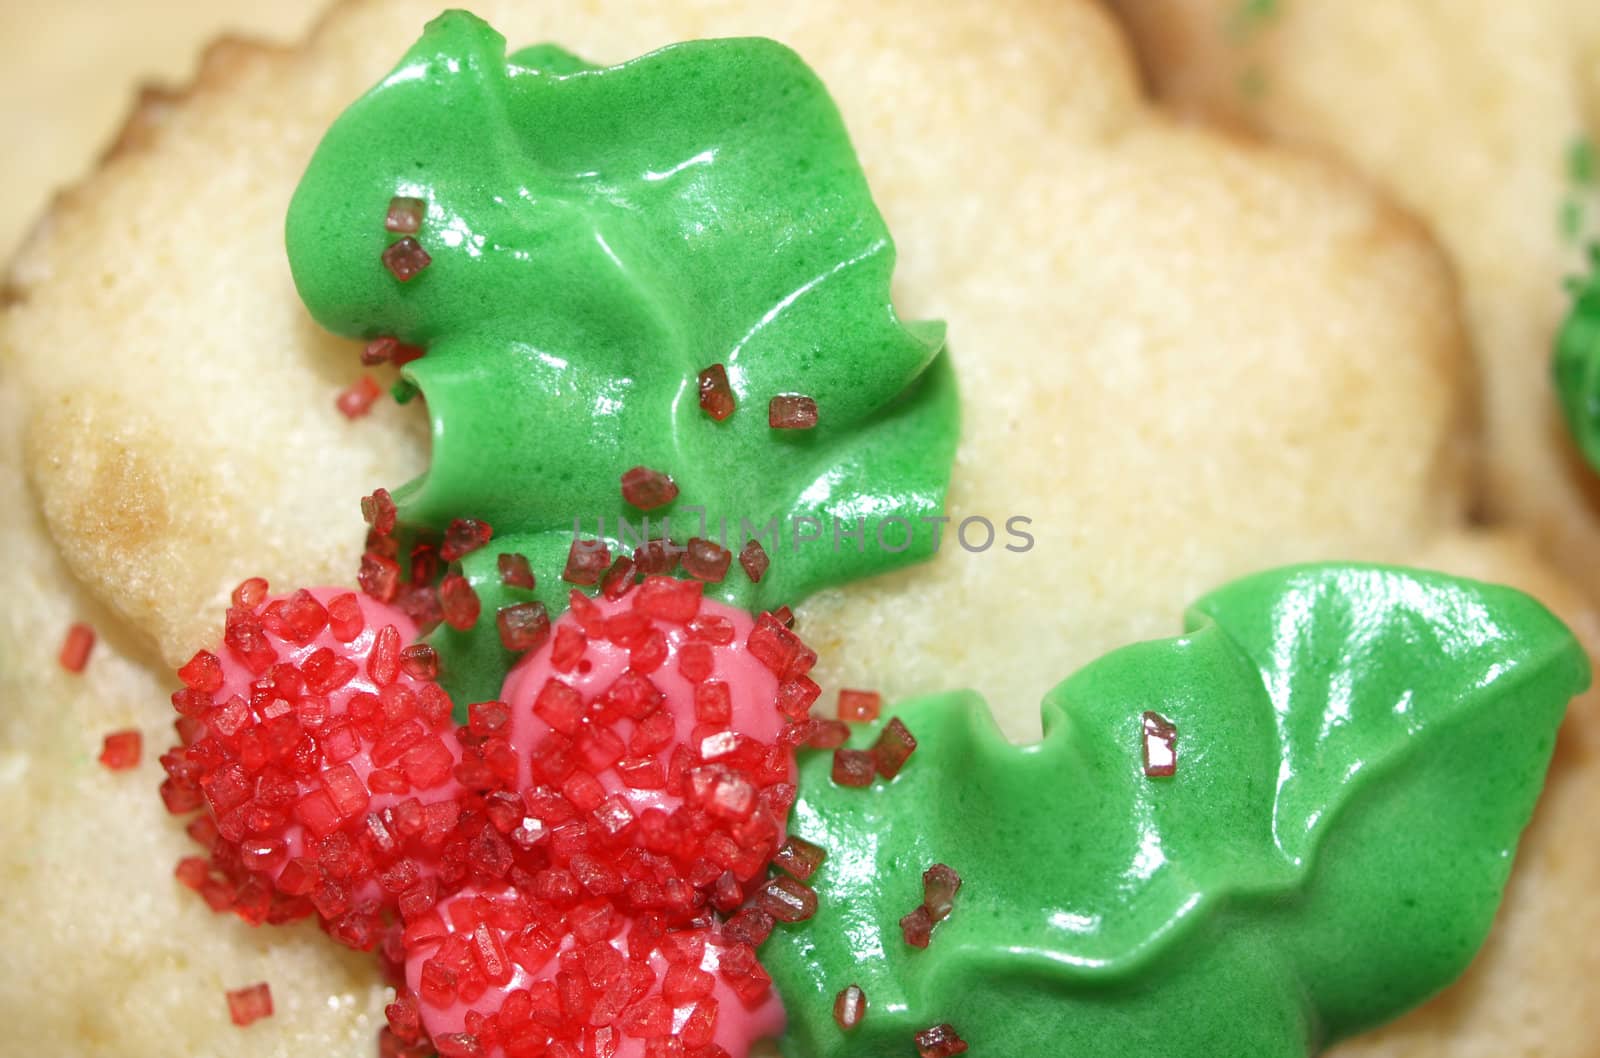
[(236, 680)]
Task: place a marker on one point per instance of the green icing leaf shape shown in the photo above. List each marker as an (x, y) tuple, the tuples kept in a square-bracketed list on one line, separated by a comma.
[(1359, 749), (600, 235), (1577, 363)]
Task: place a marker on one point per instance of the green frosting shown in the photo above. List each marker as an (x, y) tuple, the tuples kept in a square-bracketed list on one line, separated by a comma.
[(1577, 364), (1358, 751), (598, 237)]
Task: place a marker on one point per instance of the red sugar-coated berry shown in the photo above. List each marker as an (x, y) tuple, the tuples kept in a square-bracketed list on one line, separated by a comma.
[(859, 707), (917, 927), (121, 750), (405, 215), (668, 599), (706, 560), (940, 1041), (356, 399), (753, 557), (716, 396), (791, 411), (379, 577), (75, 648), (787, 899), (853, 767), (849, 1007), (940, 884), (379, 511), (405, 259), (464, 536), (420, 662), (894, 746), (515, 572), (458, 602), (247, 1005), (648, 489), (586, 561), (799, 857), (389, 349), (523, 627), (1160, 746)]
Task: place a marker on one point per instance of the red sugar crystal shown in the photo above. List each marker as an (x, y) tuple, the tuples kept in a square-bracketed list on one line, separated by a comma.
[(799, 857), (894, 746), (716, 396), (405, 215), (940, 884), (121, 750), (849, 1007), (917, 927), (795, 697), (618, 580), (379, 511), (420, 661), (940, 1041), (586, 561), (379, 577), (458, 602), (75, 648), (250, 592), (464, 536), (345, 620), (668, 599), (859, 707), (405, 259), (247, 1005), (357, 399), (753, 557), (523, 627), (706, 560), (787, 899), (853, 767), (791, 411), (389, 350), (515, 571), (1160, 746), (826, 734), (648, 489)]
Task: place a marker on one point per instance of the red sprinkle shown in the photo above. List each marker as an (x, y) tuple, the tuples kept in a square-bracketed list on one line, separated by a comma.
[(940, 1041), (791, 411), (75, 648), (405, 259), (405, 215), (586, 561), (859, 707), (853, 767), (648, 489), (357, 400), (464, 536), (800, 857), (940, 884), (121, 750), (1160, 746), (459, 602), (515, 571), (706, 560), (523, 627), (379, 511), (787, 899), (753, 557), (716, 396), (849, 1007), (250, 1004), (826, 734), (894, 746), (420, 661), (917, 927), (389, 350), (379, 577)]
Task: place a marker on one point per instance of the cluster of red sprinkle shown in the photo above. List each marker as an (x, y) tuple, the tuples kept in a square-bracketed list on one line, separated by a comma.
[(939, 887), (858, 767)]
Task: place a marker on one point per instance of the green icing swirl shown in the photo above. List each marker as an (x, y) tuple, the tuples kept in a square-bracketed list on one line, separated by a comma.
[(599, 236), (1359, 750), (1577, 364)]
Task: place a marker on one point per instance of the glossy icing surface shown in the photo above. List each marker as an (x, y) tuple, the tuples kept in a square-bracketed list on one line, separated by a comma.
[(598, 237), (1577, 364), (1358, 751)]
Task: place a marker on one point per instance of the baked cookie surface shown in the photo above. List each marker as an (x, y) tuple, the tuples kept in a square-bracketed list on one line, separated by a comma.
[(1183, 359)]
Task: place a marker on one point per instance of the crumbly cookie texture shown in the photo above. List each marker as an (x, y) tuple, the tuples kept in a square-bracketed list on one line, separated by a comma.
[(1182, 358), (1484, 119)]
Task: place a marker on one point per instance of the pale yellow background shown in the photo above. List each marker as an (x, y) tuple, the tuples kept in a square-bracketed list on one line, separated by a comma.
[(69, 70)]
